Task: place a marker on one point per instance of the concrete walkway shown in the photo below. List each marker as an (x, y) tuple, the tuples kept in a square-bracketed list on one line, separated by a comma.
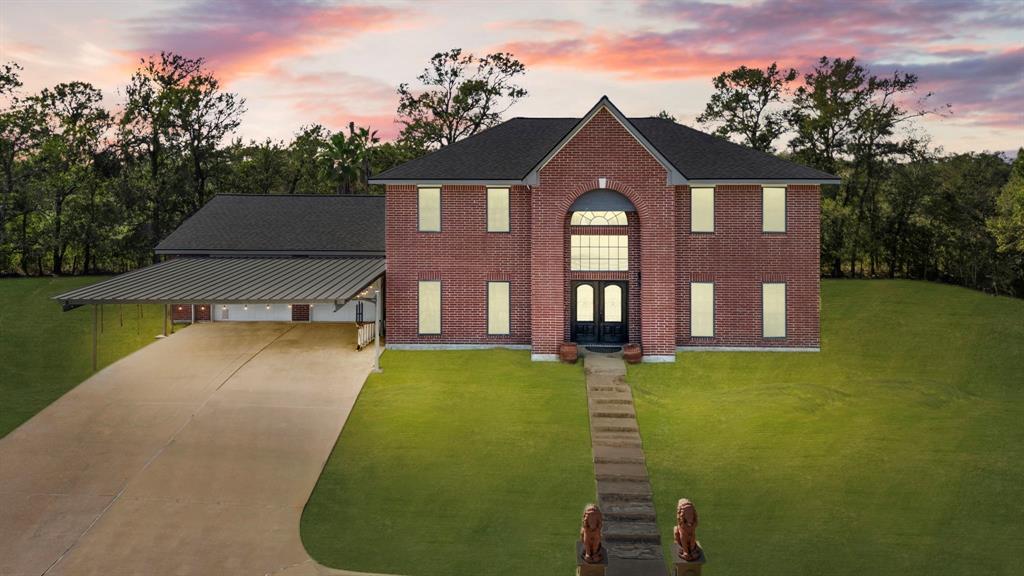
[(194, 455), (623, 487)]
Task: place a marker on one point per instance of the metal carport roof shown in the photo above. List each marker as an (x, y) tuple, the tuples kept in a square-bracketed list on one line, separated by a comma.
[(234, 280)]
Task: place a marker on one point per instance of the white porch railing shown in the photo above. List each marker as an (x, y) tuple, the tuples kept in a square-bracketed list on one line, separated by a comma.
[(365, 334)]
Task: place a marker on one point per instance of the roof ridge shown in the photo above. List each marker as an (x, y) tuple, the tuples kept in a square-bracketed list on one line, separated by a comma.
[(303, 195)]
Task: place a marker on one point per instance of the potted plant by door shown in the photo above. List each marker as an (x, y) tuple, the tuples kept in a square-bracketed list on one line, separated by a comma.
[(567, 352), (632, 353)]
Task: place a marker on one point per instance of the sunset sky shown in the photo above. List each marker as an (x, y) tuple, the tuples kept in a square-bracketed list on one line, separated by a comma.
[(303, 62)]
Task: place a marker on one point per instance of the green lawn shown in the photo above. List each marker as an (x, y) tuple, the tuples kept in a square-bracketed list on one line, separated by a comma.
[(457, 463), (899, 449), (45, 352)]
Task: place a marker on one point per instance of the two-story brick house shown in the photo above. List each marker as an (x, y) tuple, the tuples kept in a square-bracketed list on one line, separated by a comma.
[(602, 230)]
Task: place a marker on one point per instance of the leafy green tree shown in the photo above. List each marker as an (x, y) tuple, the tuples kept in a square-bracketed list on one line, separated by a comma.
[(175, 118), (307, 172), (664, 115), (1008, 224), (460, 96), (202, 116), (18, 135), (745, 105), (75, 126), (850, 123), (350, 158)]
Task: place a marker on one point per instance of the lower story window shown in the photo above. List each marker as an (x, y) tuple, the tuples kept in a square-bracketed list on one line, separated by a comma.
[(429, 305), (599, 252), (702, 309), (773, 309), (498, 320)]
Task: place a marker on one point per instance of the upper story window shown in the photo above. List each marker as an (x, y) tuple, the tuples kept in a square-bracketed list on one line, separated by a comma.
[(497, 210), (429, 209), (599, 252), (598, 218), (773, 209), (702, 210)]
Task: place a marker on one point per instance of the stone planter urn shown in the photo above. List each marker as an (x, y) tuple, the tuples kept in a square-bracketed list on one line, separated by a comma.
[(567, 352), (632, 353)]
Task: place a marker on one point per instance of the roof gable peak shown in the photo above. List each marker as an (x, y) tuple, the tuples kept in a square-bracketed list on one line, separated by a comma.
[(605, 103)]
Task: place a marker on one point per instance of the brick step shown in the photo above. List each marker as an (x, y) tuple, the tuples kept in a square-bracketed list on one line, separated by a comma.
[(617, 455), (605, 412), (608, 388), (631, 531), (619, 490), (628, 472), (611, 498), (617, 441), (622, 401), (623, 397), (637, 559), (630, 511), (613, 425)]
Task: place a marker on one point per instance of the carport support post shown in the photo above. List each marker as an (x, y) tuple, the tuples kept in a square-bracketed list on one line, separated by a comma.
[(95, 334), (376, 327), (167, 314)]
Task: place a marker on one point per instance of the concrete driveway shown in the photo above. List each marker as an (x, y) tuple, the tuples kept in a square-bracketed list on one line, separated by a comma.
[(194, 455)]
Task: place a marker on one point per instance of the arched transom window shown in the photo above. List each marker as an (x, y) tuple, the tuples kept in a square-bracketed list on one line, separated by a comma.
[(598, 218)]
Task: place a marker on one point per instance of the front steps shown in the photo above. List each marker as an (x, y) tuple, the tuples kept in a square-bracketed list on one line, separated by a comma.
[(623, 486)]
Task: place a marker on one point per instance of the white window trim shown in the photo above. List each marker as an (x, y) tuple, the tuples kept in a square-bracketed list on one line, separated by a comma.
[(785, 211), (440, 208), (693, 225), (508, 212), (713, 323), (785, 311), (440, 308), (508, 331)]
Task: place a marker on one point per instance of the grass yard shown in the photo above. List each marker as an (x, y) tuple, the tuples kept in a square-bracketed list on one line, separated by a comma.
[(899, 449), (457, 463), (45, 352)]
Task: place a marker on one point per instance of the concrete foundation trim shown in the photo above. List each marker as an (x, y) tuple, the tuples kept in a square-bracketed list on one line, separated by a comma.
[(746, 349), (544, 357), (456, 346), (659, 358)]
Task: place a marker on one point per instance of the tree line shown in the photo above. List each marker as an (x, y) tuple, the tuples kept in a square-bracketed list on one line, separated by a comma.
[(904, 208), (87, 189)]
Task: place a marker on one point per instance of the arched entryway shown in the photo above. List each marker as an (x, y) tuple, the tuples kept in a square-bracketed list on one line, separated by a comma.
[(602, 265)]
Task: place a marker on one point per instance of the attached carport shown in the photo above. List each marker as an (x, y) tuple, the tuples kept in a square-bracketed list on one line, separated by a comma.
[(327, 281)]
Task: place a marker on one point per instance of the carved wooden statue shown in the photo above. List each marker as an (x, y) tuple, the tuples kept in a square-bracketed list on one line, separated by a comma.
[(685, 531), (590, 534)]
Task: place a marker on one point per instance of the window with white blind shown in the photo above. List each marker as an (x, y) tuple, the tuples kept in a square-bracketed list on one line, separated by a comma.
[(702, 309), (429, 209), (773, 209), (429, 304), (497, 210), (498, 308), (702, 210), (773, 310)]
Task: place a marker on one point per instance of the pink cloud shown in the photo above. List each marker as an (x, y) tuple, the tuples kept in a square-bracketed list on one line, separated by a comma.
[(542, 25), (244, 37), (336, 98), (982, 80)]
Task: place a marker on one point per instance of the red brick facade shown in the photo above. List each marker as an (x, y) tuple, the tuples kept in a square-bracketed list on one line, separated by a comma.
[(464, 256), (663, 256), (738, 257)]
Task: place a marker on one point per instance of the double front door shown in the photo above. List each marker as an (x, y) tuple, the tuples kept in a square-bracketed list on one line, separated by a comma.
[(599, 312)]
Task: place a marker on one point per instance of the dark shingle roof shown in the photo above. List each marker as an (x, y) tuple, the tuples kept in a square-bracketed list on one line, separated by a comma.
[(512, 149), (507, 151), (282, 224)]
